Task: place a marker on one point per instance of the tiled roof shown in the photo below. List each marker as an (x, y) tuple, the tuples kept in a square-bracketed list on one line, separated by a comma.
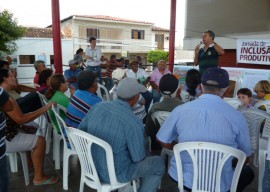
[(154, 28), (109, 18), (36, 32), (105, 17)]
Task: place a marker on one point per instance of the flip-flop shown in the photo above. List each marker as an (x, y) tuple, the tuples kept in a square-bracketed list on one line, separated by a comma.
[(49, 181)]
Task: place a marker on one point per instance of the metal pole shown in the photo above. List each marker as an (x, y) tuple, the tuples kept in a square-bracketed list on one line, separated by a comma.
[(172, 35), (57, 47)]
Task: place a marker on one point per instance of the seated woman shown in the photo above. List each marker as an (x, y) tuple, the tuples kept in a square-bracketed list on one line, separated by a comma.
[(262, 89), (59, 86), (44, 80), (169, 90), (17, 141), (192, 88)]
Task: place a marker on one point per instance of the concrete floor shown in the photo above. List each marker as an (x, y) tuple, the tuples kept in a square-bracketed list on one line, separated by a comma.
[(17, 179)]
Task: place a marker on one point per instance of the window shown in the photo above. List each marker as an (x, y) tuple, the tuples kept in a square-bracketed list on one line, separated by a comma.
[(92, 32), (137, 34), (27, 59)]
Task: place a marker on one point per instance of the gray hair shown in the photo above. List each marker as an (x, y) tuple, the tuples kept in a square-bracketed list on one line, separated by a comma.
[(214, 90), (36, 64), (161, 61)]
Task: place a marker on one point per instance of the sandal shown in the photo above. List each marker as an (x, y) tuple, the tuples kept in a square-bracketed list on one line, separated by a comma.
[(49, 181)]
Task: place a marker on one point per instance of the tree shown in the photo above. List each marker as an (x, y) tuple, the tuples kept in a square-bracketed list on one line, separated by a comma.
[(10, 31), (155, 55)]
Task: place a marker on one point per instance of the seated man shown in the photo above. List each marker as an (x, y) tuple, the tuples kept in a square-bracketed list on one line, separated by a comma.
[(71, 74), (138, 109), (115, 123), (208, 119), (155, 78), (168, 86), (18, 141), (142, 77), (39, 66), (83, 99)]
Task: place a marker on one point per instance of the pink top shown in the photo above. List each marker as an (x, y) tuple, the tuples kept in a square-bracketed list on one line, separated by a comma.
[(36, 78), (156, 75)]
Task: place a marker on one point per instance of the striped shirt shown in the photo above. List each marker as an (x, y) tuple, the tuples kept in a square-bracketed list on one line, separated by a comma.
[(207, 119), (79, 105)]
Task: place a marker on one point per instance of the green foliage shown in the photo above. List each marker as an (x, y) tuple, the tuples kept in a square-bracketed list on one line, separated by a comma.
[(10, 31), (155, 55)]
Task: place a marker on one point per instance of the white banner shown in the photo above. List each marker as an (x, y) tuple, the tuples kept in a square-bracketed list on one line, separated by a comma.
[(253, 51)]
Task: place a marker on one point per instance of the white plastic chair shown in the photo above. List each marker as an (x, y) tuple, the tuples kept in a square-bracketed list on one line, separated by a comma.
[(83, 142), (45, 125), (265, 103), (263, 140), (14, 165), (56, 140), (255, 119), (208, 160), (99, 93), (161, 116), (69, 149), (234, 102)]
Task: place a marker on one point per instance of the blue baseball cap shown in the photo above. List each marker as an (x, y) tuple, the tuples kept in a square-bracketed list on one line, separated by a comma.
[(216, 77)]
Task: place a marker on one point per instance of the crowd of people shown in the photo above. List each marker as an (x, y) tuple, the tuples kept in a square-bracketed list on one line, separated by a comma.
[(197, 113)]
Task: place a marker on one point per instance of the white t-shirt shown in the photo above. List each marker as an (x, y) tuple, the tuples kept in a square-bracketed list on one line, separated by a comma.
[(141, 73), (96, 54)]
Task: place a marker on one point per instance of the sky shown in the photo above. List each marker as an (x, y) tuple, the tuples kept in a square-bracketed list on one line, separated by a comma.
[(37, 13)]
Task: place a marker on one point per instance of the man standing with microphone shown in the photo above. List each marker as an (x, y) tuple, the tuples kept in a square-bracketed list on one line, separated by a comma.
[(208, 55)]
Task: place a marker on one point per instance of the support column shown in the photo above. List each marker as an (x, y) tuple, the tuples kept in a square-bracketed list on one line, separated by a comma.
[(56, 30), (172, 35)]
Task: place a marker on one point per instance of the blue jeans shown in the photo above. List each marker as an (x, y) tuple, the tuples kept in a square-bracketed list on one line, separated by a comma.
[(3, 175), (96, 69), (266, 177), (150, 170), (156, 95)]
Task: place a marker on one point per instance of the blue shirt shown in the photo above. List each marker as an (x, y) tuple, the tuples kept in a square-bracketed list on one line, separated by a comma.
[(115, 123), (207, 119), (79, 105), (69, 74)]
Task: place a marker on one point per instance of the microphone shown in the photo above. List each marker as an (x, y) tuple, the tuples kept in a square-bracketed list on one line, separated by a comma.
[(199, 45)]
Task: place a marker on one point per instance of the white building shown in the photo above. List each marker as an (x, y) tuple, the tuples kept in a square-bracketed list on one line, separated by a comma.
[(38, 45)]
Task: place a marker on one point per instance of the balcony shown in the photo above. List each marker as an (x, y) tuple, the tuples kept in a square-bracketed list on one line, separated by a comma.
[(132, 46)]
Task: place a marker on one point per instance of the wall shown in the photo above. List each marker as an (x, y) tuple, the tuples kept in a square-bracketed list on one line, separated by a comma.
[(226, 17), (123, 38), (38, 46)]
